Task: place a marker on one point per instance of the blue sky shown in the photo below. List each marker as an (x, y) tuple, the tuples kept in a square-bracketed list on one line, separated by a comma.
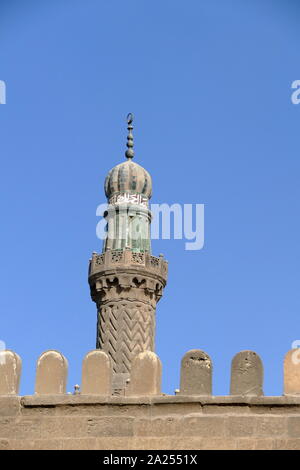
[(209, 82)]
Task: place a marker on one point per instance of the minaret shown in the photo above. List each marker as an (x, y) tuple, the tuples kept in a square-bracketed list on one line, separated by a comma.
[(126, 281)]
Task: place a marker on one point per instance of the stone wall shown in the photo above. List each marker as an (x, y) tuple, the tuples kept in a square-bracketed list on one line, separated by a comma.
[(165, 422), (145, 418)]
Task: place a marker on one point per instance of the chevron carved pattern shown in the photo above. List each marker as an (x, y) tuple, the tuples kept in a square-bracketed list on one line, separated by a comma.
[(125, 328)]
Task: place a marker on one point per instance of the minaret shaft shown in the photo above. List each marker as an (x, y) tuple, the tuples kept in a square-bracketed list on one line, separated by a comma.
[(125, 328), (126, 287)]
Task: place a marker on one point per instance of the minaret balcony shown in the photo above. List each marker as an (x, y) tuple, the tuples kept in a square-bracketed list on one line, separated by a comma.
[(112, 260)]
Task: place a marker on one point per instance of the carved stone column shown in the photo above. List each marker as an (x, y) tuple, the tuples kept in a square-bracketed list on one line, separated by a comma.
[(126, 287)]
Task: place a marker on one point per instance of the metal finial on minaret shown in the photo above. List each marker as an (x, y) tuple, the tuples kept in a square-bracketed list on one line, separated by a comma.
[(129, 152)]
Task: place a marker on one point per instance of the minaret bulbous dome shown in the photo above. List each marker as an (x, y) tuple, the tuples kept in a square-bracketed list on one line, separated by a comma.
[(128, 177)]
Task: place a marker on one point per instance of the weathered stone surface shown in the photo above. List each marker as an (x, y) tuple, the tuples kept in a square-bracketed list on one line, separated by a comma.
[(66, 427), (246, 374), (196, 373), (10, 405), (196, 424), (82, 444), (117, 443), (158, 422), (145, 378), (282, 403), (271, 426), (240, 426), (214, 408), (184, 443), (153, 443), (5, 444), (110, 426), (292, 372), (245, 444), (212, 444), (10, 372), (96, 374), (158, 426), (51, 373), (285, 444), (293, 426), (36, 444), (264, 444)]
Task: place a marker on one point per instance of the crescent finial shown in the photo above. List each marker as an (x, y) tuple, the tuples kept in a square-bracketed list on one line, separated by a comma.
[(129, 152)]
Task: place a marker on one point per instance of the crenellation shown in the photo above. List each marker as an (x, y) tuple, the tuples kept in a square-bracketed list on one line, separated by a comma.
[(246, 374), (51, 373), (145, 377), (96, 374), (10, 372), (292, 372), (144, 380), (196, 373)]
